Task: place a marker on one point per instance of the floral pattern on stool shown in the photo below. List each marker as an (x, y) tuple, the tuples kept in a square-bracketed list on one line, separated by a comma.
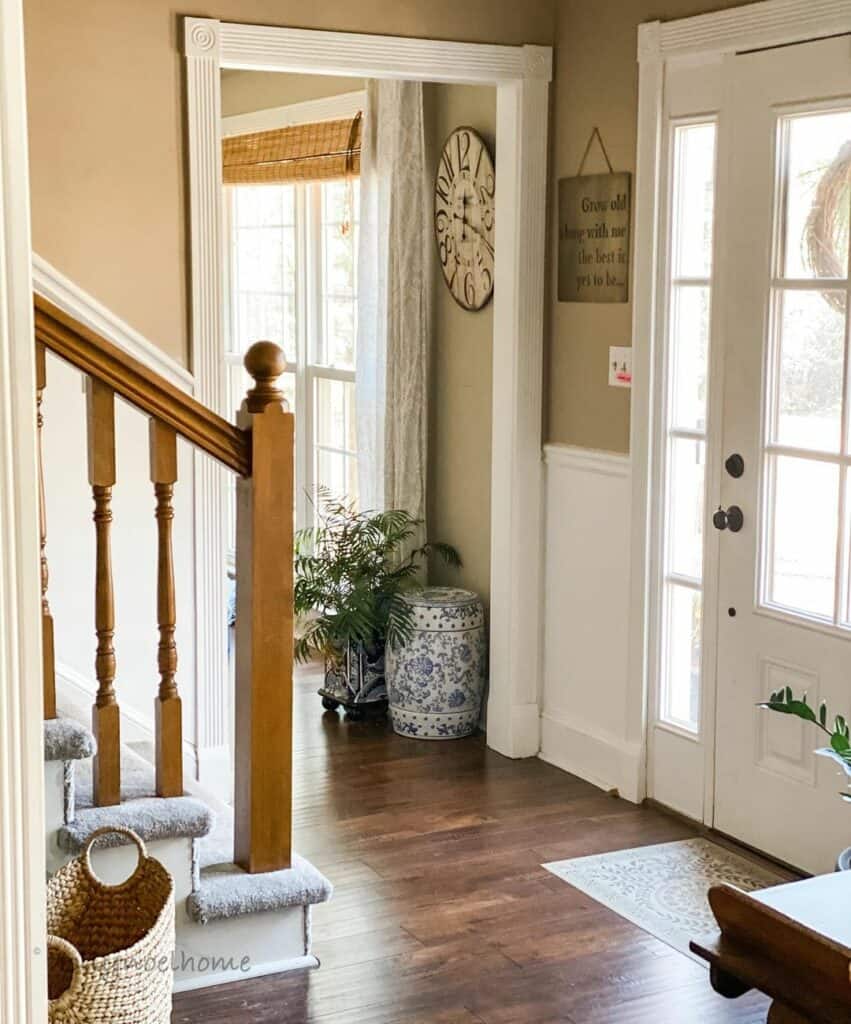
[(437, 680)]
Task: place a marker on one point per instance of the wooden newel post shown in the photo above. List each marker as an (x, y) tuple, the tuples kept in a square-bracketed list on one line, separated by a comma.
[(264, 622), (168, 713)]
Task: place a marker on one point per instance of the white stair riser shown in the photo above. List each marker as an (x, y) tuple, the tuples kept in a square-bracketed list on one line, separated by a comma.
[(114, 864), (234, 949), (239, 948), (54, 811)]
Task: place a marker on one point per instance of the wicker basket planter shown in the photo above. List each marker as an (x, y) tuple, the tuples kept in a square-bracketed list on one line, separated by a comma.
[(110, 947)]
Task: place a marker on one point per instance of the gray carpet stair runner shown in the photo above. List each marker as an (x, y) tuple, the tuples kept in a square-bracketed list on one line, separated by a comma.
[(220, 888)]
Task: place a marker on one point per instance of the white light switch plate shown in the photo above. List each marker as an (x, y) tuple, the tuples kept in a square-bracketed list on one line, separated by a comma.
[(620, 367)]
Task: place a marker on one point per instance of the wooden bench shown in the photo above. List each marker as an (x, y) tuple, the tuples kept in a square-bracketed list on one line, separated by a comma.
[(792, 942)]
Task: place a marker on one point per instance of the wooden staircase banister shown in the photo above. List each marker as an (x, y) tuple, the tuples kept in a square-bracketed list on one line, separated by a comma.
[(261, 451), (100, 359)]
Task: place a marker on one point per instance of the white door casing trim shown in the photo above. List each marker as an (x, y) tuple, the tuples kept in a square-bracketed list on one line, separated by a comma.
[(521, 75), (661, 44), (23, 990)]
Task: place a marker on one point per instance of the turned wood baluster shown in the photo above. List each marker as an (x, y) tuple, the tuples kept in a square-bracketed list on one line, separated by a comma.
[(100, 402), (48, 649), (168, 713), (264, 623)]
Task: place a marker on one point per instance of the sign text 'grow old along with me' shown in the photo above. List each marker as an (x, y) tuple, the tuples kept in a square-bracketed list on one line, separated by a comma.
[(593, 238)]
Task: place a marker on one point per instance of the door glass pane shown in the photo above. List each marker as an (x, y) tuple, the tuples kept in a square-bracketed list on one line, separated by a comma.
[(812, 350), (682, 640), (818, 160), (685, 513), (802, 564), (684, 462), (689, 349), (695, 200)]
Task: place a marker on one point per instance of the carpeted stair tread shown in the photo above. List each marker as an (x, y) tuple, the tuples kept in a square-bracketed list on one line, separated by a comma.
[(67, 740), (228, 891), (152, 818)]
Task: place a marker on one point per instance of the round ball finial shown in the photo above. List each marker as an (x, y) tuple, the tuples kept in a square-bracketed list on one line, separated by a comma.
[(265, 362)]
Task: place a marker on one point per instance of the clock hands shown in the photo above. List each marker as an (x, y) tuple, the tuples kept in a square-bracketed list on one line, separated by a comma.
[(467, 224)]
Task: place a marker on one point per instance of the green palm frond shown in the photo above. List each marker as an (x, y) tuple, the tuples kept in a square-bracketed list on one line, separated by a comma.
[(350, 577)]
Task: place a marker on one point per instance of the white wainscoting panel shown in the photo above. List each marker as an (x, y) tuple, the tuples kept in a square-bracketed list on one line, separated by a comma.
[(586, 619)]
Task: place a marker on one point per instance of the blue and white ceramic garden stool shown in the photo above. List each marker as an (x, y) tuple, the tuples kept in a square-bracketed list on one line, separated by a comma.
[(436, 681)]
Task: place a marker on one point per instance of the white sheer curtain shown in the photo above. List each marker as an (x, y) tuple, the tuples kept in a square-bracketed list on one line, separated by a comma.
[(394, 298)]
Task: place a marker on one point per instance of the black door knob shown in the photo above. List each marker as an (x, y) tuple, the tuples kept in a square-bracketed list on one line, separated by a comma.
[(731, 519)]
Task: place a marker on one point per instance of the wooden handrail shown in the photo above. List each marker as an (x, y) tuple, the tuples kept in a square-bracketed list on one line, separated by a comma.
[(260, 450), (126, 376)]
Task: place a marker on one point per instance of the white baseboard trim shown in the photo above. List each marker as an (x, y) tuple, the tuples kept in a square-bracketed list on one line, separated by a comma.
[(75, 689), (296, 963), (600, 758), (54, 286), (524, 732)]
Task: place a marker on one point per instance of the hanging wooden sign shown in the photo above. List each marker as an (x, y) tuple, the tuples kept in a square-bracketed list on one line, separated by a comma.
[(593, 235)]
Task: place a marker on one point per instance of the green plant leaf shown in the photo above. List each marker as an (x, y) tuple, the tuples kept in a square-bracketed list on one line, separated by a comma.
[(798, 708), (843, 761)]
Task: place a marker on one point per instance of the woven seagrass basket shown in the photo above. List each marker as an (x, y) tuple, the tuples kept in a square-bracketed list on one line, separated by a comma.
[(110, 947)]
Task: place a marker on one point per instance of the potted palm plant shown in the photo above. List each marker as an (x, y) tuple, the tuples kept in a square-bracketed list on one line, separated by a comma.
[(350, 574), (837, 731)]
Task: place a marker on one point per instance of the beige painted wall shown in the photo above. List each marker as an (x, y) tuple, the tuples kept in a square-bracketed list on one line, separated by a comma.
[(106, 99), (106, 102), (596, 83), (460, 401), (243, 92)]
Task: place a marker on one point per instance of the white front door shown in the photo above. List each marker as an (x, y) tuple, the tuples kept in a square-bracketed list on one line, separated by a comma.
[(753, 347), (783, 583)]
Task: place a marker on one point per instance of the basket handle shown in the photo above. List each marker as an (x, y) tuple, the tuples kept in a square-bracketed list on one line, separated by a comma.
[(106, 831), (64, 947)]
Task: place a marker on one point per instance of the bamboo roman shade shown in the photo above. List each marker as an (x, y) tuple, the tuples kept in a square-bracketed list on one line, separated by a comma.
[(302, 152)]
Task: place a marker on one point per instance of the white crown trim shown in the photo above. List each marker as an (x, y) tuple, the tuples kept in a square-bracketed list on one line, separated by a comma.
[(54, 286), (754, 26), (372, 56)]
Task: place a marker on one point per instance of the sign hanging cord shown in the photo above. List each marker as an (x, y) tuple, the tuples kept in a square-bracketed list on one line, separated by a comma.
[(595, 134)]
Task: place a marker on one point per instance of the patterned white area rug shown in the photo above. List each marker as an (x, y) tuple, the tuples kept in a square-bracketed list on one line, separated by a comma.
[(663, 888)]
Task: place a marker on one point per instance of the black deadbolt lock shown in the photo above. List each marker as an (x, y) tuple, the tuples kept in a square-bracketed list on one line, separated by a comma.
[(735, 465)]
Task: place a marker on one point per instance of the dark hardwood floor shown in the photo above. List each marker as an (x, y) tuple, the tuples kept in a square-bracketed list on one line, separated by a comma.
[(442, 913)]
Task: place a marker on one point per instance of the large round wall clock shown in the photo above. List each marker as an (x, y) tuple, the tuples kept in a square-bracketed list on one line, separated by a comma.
[(464, 191)]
